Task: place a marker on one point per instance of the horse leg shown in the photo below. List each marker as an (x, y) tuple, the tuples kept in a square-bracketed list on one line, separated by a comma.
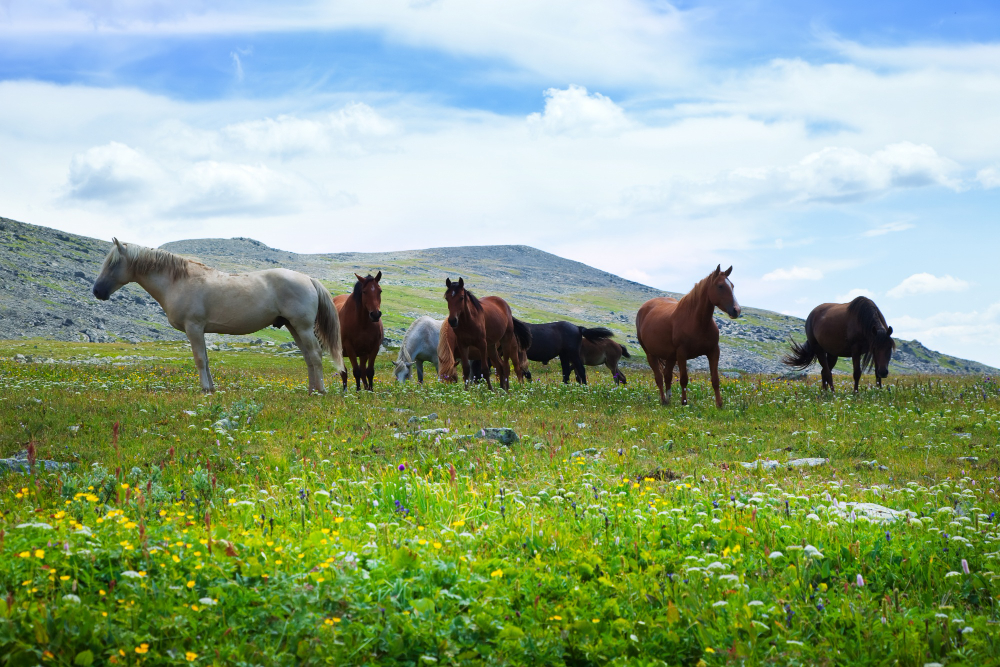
[(306, 340), (579, 368), (484, 351), (196, 335), (667, 369), (857, 371), (357, 367), (682, 366), (825, 373), (564, 362), (657, 367), (371, 371), (713, 368), (420, 372)]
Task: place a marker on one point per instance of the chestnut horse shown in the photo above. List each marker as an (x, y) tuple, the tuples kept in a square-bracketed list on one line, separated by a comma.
[(672, 331), (361, 328), (856, 329), (488, 327), (605, 351)]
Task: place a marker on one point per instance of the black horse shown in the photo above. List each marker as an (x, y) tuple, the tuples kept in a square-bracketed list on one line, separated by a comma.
[(563, 340)]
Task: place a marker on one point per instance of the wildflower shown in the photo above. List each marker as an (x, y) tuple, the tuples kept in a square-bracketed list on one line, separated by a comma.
[(142, 648), (39, 554), (191, 656), (496, 573), (402, 467), (888, 537), (861, 581), (190, 584), (437, 545), (965, 566)]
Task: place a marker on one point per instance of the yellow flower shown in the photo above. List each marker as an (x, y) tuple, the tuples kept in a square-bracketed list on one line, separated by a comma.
[(142, 648), (39, 553), (595, 620), (437, 545), (496, 573), (336, 619), (191, 657), (709, 649), (65, 577), (176, 558), (555, 618), (326, 531), (458, 523), (421, 542), (190, 584), (24, 554)]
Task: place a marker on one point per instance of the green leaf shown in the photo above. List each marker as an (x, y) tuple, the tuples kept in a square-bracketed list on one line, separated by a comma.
[(84, 659)]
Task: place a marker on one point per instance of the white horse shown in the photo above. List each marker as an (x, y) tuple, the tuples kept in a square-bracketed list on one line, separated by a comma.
[(420, 344), (198, 299)]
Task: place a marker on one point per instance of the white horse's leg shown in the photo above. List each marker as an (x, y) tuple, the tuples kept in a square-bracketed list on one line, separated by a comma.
[(420, 372), (196, 335), (306, 340)]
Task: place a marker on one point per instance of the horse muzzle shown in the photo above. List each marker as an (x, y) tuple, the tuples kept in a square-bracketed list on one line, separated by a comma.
[(101, 293), (734, 312), (453, 322), (882, 373), (376, 315)]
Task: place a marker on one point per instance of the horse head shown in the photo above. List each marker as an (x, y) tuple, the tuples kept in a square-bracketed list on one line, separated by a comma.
[(368, 293), (115, 273), (455, 296), (881, 346), (720, 292), (403, 370)]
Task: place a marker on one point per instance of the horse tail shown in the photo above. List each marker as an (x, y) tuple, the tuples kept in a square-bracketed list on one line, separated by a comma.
[(327, 325), (625, 352), (522, 333), (446, 356), (595, 334), (801, 357)]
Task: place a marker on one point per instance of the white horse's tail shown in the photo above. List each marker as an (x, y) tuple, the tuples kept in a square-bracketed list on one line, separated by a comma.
[(328, 325)]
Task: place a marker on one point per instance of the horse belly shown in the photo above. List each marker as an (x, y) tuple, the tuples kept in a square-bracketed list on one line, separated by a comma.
[(657, 330)]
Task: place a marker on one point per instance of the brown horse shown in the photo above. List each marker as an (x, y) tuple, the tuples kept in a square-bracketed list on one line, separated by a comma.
[(361, 328), (487, 327), (605, 351), (856, 329), (672, 331)]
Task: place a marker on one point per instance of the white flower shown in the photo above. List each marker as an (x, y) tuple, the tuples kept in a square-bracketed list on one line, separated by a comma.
[(966, 630), (69, 597), (720, 603), (775, 555), (812, 517), (755, 603), (952, 574), (812, 551), (132, 574), (793, 642), (208, 602)]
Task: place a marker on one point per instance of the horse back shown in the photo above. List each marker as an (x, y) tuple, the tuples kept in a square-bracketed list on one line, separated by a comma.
[(654, 323), (497, 318), (833, 329)]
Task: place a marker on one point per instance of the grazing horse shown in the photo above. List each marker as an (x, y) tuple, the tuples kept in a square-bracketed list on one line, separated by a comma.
[(361, 328), (607, 352), (561, 339), (198, 299), (856, 329), (420, 344), (672, 331), (487, 326)]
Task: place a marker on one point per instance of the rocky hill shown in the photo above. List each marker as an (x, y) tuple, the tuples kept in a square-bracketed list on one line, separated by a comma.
[(46, 276)]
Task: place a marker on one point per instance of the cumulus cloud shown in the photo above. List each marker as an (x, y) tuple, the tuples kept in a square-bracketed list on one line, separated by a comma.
[(213, 189), (854, 294), (574, 111), (113, 172), (989, 177), (794, 273), (353, 129), (970, 334), (926, 283)]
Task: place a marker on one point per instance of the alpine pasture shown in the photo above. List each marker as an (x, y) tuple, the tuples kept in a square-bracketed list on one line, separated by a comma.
[(262, 525)]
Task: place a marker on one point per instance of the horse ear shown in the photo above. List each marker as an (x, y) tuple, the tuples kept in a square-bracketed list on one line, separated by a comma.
[(447, 282), (461, 282), (378, 276), (360, 279), (890, 331), (119, 245), (727, 271), (718, 270)]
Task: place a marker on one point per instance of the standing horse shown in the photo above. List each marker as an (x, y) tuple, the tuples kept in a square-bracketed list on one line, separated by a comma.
[(672, 331), (856, 329), (198, 299), (562, 339), (361, 328), (605, 351), (486, 326), (420, 344)]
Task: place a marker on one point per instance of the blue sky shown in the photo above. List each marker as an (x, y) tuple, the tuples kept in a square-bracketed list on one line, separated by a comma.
[(824, 149)]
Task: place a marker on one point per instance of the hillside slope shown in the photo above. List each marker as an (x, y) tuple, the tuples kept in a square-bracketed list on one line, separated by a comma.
[(46, 276)]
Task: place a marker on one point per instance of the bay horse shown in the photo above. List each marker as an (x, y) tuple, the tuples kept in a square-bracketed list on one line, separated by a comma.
[(856, 329), (487, 326), (562, 339), (607, 352), (672, 331), (420, 344), (198, 299), (447, 354), (361, 330)]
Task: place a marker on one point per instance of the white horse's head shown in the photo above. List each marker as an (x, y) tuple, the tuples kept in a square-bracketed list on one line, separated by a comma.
[(403, 370), (115, 274)]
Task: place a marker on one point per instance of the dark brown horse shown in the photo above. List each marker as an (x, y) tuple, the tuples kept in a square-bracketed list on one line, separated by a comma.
[(360, 315), (605, 351), (487, 326), (672, 331), (856, 329)]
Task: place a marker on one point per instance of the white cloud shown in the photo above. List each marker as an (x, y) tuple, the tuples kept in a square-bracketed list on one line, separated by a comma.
[(113, 172), (794, 273), (352, 129), (211, 189), (854, 294), (573, 111), (989, 177), (888, 228), (926, 283), (970, 334)]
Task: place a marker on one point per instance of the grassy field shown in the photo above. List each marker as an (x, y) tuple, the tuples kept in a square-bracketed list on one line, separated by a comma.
[(264, 526)]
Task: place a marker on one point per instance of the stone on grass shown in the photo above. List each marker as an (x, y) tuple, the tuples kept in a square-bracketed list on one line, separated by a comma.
[(504, 435)]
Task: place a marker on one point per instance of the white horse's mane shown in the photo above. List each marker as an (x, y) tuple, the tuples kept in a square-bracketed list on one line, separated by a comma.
[(143, 260)]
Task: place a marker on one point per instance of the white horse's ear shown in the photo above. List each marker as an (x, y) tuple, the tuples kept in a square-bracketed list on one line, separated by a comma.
[(378, 276), (119, 245), (727, 271)]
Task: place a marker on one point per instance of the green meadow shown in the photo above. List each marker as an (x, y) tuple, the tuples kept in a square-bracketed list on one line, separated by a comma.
[(261, 525)]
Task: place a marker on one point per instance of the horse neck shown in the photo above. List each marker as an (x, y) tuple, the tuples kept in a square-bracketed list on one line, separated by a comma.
[(697, 302), (157, 284)]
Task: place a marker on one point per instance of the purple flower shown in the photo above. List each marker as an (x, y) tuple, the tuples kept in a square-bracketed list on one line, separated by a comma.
[(965, 566), (888, 537), (861, 580), (402, 467)]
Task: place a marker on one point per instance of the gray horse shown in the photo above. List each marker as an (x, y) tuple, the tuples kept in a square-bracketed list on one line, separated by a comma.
[(420, 344)]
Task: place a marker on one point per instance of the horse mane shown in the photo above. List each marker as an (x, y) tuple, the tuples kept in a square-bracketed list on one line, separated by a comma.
[(143, 260), (475, 302), (356, 294), (446, 356), (873, 326), (696, 291)]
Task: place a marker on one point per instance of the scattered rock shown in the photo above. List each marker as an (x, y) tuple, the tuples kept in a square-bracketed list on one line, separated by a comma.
[(19, 463), (423, 433), (427, 418), (807, 463), (969, 459), (872, 511), (504, 435), (765, 464), (583, 452), (732, 375)]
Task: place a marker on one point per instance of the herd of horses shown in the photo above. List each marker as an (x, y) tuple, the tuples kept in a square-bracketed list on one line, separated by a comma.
[(480, 334)]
